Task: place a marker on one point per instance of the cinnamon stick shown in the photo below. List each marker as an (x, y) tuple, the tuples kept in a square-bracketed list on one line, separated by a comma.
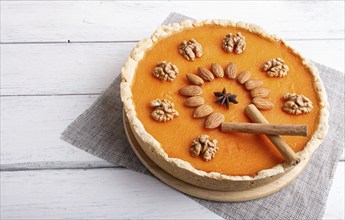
[(255, 115), (270, 129)]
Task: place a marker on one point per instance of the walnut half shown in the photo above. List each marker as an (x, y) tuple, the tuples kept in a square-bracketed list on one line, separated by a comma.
[(205, 147), (164, 110), (297, 104), (275, 68), (234, 43), (190, 50), (165, 71)]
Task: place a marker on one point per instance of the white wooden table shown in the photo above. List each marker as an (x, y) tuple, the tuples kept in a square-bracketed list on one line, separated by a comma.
[(56, 58)]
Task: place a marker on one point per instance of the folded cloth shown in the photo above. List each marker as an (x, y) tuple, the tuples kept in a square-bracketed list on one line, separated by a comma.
[(99, 131)]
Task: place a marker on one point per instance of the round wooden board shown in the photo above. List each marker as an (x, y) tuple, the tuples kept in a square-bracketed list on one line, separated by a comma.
[(222, 196)]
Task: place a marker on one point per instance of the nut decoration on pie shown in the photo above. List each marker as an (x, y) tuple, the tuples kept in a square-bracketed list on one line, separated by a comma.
[(297, 104), (164, 110), (190, 50), (205, 147), (185, 65), (165, 71), (234, 43), (275, 68)]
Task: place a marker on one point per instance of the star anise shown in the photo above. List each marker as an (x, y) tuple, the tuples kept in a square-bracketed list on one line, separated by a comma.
[(225, 98)]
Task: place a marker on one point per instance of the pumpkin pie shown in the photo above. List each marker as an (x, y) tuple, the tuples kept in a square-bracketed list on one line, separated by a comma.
[(183, 83)]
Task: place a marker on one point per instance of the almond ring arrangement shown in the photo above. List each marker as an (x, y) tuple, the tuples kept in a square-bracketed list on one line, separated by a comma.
[(283, 97), (215, 119)]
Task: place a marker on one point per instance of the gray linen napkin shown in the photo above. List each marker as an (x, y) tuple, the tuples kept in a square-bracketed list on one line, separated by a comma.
[(99, 131)]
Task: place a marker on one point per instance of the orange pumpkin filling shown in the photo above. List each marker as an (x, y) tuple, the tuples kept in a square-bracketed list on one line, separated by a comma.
[(239, 153)]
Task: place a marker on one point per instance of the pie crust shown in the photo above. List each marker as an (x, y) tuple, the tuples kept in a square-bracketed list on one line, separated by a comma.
[(184, 170)]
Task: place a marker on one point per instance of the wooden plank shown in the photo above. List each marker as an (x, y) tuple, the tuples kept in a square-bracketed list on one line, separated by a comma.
[(93, 194), (111, 193), (58, 165), (31, 127), (37, 21), (335, 201), (31, 69)]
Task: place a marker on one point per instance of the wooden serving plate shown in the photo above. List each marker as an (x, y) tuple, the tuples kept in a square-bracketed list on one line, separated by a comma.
[(214, 195)]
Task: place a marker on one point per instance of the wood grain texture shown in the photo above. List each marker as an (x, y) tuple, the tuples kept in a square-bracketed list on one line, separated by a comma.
[(59, 68), (31, 128), (111, 193), (45, 69), (93, 194), (335, 202), (127, 21)]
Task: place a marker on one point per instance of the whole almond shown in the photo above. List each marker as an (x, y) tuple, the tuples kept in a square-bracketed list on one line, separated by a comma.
[(260, 92), (214, 120), (231, 71), (202, 111), (253, 83), (243, 77), (190, 91), (205, 74), (194, 79), (194, 101), (217, 70), (262, 103)]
